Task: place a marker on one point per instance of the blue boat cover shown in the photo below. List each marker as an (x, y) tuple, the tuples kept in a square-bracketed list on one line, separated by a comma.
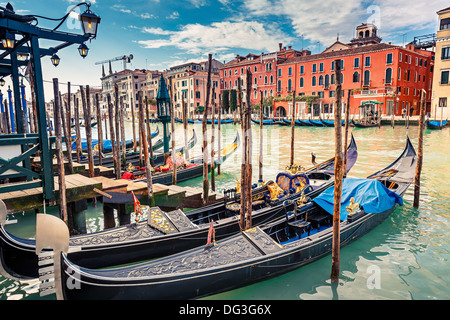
[(370, 194), (438, 123)]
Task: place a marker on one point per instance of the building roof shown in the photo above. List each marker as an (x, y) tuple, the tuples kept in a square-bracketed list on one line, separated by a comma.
[(443, 10), (340, 53)]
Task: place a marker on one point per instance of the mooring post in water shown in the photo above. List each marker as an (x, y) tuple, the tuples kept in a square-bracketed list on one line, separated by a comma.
[(219, 136), (205, 137), (122, 132), (85, 101), (213, 120), (248, 153), (243, 175), (111, 132), (260, 180), (77, 129), (292, 128), (69, 127), (117, 128), (347, 119), (174, 151), (59, 152), (419, 151), (149, 132), (99, 130), (338, 175), (184, 115), (144, 146)]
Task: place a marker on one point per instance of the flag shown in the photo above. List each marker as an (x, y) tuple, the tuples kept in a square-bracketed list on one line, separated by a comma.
[(137, 205), (211, 235)]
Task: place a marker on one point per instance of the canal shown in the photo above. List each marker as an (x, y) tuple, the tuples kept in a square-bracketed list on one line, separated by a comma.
[(406, 257)]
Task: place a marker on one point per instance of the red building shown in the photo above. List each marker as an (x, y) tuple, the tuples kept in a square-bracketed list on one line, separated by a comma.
[(392, 75), (263, 68)]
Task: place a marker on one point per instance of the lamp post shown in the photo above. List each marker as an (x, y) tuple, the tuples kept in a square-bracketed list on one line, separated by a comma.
[(163, 111)]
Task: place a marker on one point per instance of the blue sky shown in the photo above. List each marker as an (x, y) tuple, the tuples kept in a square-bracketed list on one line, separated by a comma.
[(163, 33)]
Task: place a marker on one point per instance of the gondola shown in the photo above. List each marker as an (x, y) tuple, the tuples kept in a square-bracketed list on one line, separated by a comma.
[(436, 124), (316, 123), (330, 123), (194, 121), (193, 168), (302, 236), (107, 144), (265, 122), (132, 243), (359, 124), (305, 123), (297, 123)]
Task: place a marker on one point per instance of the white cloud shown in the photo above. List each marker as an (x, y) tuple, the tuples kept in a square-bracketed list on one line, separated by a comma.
[(220, 36), (198, 3), (156, 31), (174, 15), (321, 21)]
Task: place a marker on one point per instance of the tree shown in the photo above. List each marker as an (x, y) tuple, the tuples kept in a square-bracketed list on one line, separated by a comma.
[(226, 100), (233, 100)]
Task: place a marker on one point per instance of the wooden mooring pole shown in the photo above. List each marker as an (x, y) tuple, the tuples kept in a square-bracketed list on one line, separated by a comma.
[(111, 132), (86, 102), (59, 152), (260, 180), (99, 130), (248, 153), (419, 151), (347, 119), (149, 133), (144, 146), (205, 137), (213, 120), (243, 175), (77, 129), (292, 129), (338, 175)]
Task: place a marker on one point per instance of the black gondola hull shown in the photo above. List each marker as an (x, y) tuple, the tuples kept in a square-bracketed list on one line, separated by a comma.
[(217, 279)]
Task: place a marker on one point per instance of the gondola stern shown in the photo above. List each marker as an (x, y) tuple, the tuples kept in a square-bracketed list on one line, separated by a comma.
[(51, 232)]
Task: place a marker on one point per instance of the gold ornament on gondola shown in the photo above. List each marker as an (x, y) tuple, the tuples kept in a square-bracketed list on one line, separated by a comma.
[(353, 207)]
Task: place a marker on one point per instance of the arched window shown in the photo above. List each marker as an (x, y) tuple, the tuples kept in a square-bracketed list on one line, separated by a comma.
[(332, 78), (327, 80), (255, 94), (313, 81), (256, 80), (279, 86), (355, 77), (265, 79), (321, 80), (301, 82), (271, 79), (289, 88), (361, 34), (366, 77), (367, 33), (388, 76), (256, 69)]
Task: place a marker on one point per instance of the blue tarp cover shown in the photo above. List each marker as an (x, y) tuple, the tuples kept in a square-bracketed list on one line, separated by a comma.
[(371, 195)]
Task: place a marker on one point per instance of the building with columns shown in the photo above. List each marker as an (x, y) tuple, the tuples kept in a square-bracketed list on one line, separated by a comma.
[(441, 80)]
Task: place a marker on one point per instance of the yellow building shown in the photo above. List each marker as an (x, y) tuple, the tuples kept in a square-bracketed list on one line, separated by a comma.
[(440, 104)]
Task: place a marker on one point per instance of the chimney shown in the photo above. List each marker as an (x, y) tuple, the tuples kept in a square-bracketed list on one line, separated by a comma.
[(237, 58), (289, 47), (280, 45)]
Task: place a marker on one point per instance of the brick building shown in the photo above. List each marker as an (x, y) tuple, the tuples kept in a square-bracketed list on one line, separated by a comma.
[(371, 70), (263, 68)]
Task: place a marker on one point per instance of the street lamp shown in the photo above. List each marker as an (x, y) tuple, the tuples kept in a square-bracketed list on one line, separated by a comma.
[(89, 22), (83, 50), (8, 40), (163, 111), (55, 59), (2, 82), (22, 56)]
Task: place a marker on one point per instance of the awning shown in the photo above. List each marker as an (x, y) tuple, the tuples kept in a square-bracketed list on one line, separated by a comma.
[(372, 102)]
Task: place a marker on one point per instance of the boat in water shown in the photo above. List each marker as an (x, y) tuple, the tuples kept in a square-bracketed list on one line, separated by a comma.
[(303, 235)]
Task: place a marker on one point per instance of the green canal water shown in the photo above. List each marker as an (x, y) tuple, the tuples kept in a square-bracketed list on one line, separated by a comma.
[(404, 258)]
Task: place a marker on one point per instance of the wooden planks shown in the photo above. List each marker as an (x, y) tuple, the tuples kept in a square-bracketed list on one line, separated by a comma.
[(78, 187)]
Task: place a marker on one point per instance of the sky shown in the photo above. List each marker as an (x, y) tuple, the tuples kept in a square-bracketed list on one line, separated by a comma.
[(164, 33)]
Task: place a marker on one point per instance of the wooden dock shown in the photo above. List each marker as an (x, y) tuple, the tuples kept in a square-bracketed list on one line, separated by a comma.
[(78, 187)]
